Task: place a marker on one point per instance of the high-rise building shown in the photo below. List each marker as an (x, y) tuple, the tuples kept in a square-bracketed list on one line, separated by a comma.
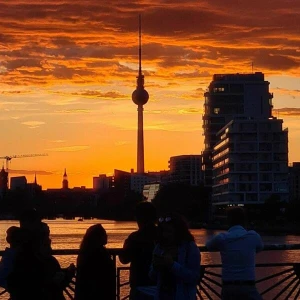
[(230, 96), (140, 97), (65, 182), (294, 172), (121, 181), (102, 182), (186, 169), (250, 162), (138, 181), (18, 183)]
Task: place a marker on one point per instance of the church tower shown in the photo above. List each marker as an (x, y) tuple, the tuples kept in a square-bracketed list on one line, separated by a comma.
[(65, 182)]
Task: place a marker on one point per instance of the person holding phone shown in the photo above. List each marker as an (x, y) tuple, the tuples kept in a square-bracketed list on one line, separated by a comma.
[(176, 260)]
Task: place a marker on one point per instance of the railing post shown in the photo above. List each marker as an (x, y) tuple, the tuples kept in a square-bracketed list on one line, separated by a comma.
[(117, 274), (118, 284)]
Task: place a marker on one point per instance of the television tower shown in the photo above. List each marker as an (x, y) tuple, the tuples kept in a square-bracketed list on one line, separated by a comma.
[(140, 97)]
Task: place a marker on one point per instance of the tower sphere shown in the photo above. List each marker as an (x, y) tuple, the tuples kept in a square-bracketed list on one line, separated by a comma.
[(140, 96)]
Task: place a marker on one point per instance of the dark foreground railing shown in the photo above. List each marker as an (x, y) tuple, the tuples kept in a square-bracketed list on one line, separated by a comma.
[(276, 280)]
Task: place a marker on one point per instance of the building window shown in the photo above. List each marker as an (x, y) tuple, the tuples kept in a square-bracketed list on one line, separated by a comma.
[(216, 110), (218, 89)]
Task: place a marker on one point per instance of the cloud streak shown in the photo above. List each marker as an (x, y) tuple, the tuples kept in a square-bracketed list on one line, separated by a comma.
[(33, 124), (30, 172), (69, 148), (287, 111)]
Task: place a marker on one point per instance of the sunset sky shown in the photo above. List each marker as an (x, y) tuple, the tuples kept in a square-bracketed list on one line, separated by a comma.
[(68, 68)]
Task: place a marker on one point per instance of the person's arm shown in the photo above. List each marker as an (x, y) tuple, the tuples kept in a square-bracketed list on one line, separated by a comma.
[(3, 272), (153, 271), (215, 243), (125, 256), (259, 243), (190, 272), (6, 266)]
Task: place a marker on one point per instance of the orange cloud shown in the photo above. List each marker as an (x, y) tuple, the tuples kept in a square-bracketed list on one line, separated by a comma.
[(80, 42), (72, 66), (287, 111), (69, 148)]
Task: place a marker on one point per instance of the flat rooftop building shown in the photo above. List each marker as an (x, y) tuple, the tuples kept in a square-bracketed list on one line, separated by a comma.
[(186, 169), (250, 162), (230, 96)]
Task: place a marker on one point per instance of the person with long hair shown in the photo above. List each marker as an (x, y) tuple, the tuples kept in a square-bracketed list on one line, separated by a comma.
[(176, 260), (96, 275)]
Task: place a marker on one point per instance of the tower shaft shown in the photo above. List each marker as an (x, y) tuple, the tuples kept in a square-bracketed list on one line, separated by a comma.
[(140, 141)]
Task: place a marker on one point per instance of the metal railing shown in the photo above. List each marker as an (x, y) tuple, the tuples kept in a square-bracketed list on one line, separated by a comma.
[(278, 280)]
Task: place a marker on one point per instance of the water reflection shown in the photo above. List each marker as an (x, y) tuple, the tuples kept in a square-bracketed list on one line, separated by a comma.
[(67, 234)]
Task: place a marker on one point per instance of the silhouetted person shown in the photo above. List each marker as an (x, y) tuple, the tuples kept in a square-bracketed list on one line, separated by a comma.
[(36, 274), (176, 260), (96, 274), (32, 226), (238, 248), (14, 239), (138, 248)]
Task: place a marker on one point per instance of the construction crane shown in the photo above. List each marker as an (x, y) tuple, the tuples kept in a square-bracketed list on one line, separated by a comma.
[(8, 158)]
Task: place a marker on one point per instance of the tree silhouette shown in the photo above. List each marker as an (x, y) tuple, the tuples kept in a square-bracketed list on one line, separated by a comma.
[(190, 201)]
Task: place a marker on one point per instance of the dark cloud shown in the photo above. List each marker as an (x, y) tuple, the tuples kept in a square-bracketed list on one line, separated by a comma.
[(98, 94), (275, 62), (18, 63), (84, 41), (194, 74), (15, 92)]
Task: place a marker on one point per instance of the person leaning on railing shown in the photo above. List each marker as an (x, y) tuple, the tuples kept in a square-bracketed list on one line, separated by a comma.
[(238, 248)]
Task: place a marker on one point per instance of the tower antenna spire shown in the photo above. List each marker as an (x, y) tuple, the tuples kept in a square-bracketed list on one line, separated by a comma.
[(140, 45)]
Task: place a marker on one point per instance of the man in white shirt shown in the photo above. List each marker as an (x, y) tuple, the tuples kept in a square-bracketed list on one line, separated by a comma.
[(238, 248)]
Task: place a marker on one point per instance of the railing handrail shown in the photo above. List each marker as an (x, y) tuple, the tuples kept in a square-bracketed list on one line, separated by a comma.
[(117, 251)]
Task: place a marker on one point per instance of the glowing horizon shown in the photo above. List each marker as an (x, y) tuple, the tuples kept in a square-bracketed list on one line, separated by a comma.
[(68, 69)]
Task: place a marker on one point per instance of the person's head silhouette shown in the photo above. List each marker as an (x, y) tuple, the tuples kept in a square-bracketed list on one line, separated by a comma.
[(95, 237), (236, 216), (29, 218), (173, 229), (145, 214), (14, 236)]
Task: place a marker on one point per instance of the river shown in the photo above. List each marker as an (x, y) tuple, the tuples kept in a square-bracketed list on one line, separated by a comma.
[(67, 234)]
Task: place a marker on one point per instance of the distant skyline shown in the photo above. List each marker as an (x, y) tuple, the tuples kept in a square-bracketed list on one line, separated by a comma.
[(68, 68)]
